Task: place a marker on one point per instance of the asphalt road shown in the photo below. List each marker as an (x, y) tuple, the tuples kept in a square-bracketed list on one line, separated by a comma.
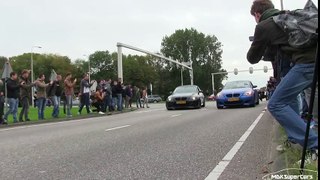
[(145, 144)]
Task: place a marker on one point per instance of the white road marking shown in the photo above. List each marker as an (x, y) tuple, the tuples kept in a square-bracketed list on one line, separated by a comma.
[(146, 111), (175, 115), (218, 170), (115, 128)]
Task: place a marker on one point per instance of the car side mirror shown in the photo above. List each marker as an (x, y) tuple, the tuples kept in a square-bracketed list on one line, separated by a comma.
[(170, 92), (255, 86)]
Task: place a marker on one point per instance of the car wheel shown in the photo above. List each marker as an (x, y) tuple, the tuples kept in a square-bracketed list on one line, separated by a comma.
[(204, 103), (155, 101), (258, 102), (253, 104)]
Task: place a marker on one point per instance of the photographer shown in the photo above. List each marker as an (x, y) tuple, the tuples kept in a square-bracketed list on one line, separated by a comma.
[(25, 95), (268, 34), (85, 93)]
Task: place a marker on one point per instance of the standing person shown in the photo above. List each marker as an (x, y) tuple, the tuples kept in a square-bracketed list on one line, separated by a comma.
[(25, 95), (55, 93), (135, 95), (85, 94), (128, 95), (298, 78), (114, 95), (1, 103), (145, 97), (108, 96), (271, 86), (69, 92), (13, 88), (138, 96), (119, 92), (41, 95)]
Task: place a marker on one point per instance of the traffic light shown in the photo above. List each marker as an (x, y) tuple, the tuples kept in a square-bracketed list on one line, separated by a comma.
[(250, 70), (265, 69), (235, 71)]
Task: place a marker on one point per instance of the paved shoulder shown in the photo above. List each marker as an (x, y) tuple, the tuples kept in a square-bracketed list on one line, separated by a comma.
[(254, 159)]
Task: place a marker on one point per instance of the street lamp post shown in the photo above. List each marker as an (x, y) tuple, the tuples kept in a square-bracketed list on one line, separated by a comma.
[(89, 68), (32, 73)]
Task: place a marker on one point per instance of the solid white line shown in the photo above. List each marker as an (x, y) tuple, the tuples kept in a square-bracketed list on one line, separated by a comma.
[(176, 115), (115, 128), (146, 111), (218, 170)]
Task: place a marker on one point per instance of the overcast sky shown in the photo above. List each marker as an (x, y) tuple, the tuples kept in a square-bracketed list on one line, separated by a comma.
[(77, 27)]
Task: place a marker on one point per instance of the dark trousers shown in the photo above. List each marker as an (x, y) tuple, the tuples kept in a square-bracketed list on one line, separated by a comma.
[(1, 109), (85, 101), (25, 109), (98, 105)]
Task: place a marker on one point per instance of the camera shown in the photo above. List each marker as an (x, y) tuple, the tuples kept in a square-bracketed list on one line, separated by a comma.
[(251, 38)]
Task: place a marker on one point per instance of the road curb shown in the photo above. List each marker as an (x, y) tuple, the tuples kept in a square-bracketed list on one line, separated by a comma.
[(63, 119)]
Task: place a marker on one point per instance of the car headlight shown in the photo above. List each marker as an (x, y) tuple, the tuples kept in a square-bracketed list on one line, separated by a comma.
[(169, 99), (219, 95), (193, 98), (248, 93)]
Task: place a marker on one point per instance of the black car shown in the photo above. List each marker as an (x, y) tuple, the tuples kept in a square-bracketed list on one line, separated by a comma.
[(189, 96)]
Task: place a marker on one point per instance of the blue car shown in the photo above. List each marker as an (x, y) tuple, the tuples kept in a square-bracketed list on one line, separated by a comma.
[(237, 93)]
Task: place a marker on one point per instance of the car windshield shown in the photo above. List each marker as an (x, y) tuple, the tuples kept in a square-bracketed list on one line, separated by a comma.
[(237, 85), (185, 89)]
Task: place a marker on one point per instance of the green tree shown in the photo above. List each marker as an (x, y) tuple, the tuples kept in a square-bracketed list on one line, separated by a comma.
[(102, 65), (204, 51), (42, 63), (2, 61)]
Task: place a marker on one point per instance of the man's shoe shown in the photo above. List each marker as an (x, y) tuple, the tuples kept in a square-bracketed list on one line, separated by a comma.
[(314, 154), (5, 123), (27, 119), (100, 112), (286, 145)]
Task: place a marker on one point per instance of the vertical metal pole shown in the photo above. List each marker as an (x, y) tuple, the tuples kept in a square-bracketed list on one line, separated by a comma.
[(212, 79), (32, 74), (32, 78), (281, 1), (191, 71), (181, 76), (120, 70), (89, 67)]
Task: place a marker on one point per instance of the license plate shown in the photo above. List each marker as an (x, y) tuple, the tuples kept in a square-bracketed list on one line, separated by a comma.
[(181, 102), (233, 99)]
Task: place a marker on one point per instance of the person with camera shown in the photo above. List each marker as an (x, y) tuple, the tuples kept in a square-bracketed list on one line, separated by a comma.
[(42, 86), (13, 87), (85, 94), (55, 93), (69, 92), (25, 95), (299, 77)]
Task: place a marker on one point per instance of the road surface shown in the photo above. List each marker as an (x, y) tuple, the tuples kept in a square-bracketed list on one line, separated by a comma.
[(148, 144)]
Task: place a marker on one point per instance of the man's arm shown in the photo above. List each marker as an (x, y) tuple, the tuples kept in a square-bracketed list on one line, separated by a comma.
[(258, 46)]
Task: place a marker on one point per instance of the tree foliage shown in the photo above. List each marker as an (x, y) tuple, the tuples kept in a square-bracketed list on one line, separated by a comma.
[(204, 51), (186, 45)]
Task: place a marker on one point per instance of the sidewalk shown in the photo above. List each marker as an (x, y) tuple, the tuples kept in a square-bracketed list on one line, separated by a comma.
[(258, 156)]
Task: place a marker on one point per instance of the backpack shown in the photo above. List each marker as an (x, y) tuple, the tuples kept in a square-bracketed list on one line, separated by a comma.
[(301, 25)]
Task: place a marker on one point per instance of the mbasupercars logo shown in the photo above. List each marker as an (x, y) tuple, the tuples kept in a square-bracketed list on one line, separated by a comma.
[(292, 174)]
